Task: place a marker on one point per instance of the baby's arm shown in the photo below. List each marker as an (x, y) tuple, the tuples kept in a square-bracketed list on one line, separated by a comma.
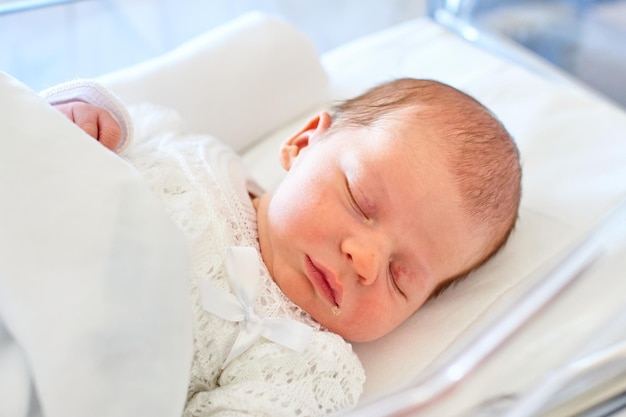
[(94, 109), (95, 121)]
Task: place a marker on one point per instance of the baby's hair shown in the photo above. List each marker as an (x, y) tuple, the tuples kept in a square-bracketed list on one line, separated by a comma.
[(481, 155)]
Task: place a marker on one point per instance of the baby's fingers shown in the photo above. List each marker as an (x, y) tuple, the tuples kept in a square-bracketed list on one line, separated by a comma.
[(95, 121), (85, 117), (109, 131)]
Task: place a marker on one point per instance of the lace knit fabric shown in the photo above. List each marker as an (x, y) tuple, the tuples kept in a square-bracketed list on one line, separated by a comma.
[(204, 188)]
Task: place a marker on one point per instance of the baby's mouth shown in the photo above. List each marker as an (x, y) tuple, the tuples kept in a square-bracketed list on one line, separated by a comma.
[(325, 283)]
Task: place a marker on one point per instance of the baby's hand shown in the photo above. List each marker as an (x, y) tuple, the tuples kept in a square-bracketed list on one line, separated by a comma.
[(95, 121)]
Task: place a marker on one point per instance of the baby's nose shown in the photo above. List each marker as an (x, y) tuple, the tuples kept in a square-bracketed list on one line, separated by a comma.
[(365, 257)]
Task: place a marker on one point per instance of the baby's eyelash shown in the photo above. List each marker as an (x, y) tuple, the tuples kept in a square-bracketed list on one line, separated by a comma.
[(394, 282), (353, 201)]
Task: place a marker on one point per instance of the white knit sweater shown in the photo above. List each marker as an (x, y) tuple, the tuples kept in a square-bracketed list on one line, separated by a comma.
[(205, 189)]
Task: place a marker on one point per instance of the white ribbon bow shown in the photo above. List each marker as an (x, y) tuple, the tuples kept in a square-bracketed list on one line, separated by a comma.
[(242, 265)]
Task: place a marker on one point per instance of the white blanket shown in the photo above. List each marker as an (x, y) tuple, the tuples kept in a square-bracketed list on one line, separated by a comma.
[(93, 289)]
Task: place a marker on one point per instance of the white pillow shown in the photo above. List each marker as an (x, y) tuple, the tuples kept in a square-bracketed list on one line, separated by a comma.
[(237, 82), (93, 274)]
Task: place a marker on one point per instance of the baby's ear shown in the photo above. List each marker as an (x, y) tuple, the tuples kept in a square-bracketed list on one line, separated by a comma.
[(313, 130)]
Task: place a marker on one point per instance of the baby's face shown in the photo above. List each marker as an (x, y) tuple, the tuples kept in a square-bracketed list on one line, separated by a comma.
[(365, 225)]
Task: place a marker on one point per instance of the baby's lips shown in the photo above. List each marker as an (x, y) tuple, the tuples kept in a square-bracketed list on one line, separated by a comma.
[(334, 284)]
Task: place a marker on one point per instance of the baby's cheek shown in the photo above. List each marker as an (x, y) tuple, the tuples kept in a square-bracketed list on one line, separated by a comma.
[(371, 319)]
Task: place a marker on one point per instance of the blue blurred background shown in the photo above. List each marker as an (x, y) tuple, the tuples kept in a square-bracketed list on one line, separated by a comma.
[(43, 42)]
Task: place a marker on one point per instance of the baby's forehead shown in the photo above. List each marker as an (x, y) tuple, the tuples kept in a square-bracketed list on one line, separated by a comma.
[(403, 151)]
